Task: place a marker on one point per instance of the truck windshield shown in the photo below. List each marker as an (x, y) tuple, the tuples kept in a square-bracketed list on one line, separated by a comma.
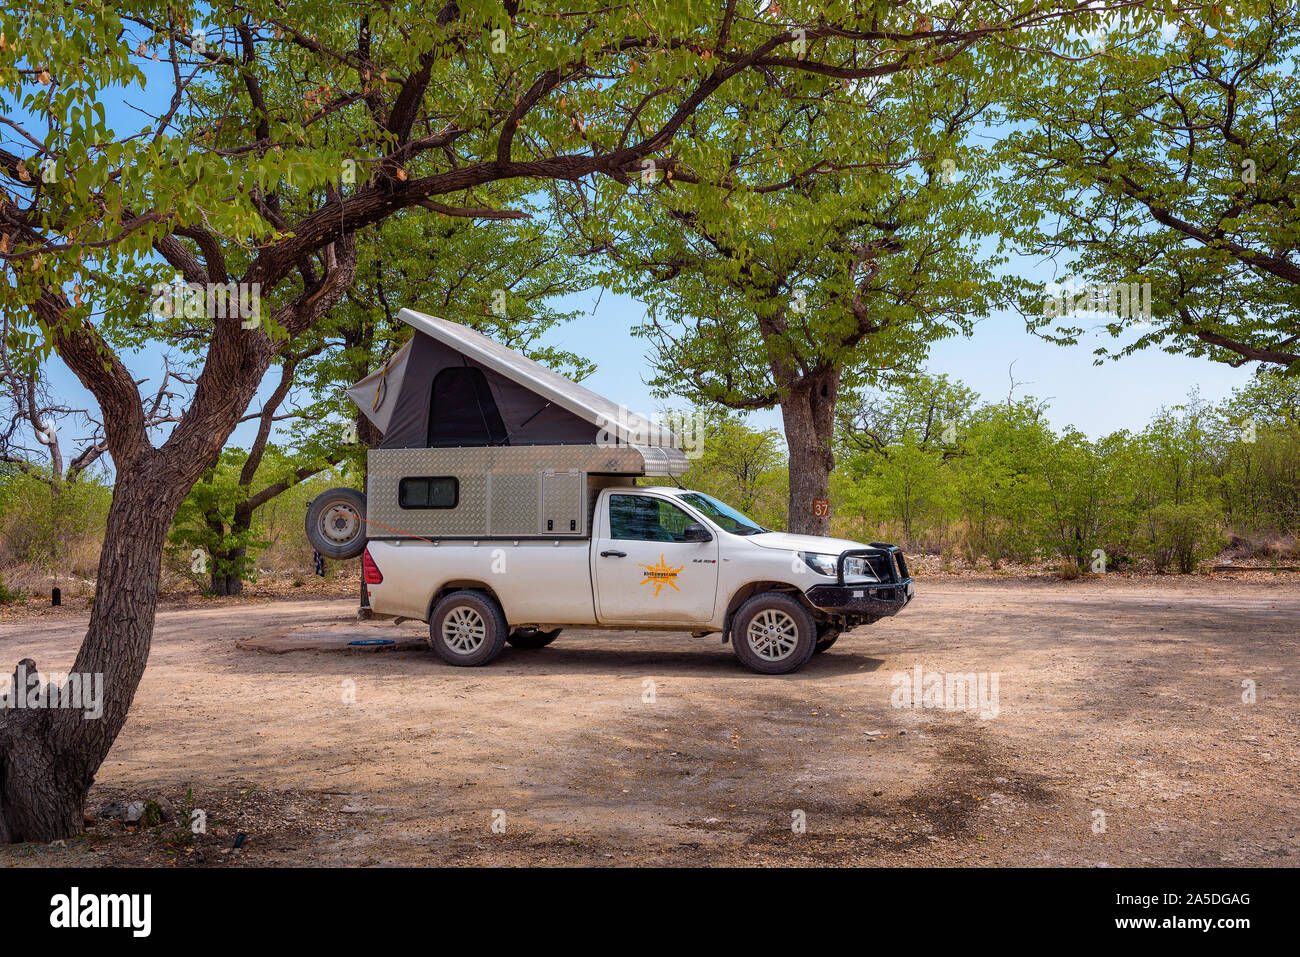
[(723, 515)]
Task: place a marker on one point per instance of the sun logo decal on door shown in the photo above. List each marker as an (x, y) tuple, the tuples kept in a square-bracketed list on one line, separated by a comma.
[(661, 575)]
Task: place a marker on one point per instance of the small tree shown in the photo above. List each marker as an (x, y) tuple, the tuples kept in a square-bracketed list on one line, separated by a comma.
[(1178, 490), (741, 465), (1089, 489)]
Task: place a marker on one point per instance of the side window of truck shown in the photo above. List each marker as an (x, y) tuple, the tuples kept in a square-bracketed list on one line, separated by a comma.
[(645, 519)]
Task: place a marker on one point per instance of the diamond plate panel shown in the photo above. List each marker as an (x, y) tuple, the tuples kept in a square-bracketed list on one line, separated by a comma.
[(562, 503), (513, 502), (500, 489), (387, 467)]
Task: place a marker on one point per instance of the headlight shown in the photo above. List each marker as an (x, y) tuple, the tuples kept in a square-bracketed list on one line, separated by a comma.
[(858, 567), (855, 566), (822, 564)]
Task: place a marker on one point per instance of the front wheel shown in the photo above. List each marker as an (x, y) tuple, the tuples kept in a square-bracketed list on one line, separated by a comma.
[(467, 628), (773, 634)]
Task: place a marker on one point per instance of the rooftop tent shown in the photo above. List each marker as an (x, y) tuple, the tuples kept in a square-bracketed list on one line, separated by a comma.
[(450, 386)]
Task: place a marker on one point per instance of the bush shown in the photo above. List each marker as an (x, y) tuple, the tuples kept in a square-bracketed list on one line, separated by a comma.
[(9, 596), (1183, 535), (57, 532)]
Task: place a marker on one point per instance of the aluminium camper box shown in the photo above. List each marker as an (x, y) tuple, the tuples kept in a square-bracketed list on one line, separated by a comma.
[(480, 442)]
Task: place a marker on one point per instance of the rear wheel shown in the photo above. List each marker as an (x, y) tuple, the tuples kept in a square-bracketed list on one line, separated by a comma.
[(532, 637), (467, 628), (773, 634)]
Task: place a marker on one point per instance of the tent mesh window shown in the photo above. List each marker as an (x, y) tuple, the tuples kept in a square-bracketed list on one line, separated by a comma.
[(462, 410)]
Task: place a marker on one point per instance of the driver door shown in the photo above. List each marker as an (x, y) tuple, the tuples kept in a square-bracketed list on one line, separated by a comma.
[(645, 570)]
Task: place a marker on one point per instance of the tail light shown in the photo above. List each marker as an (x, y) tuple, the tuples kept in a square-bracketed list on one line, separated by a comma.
[(369, 570)]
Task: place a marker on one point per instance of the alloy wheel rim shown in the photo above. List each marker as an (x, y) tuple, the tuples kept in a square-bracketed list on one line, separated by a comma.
[(464, 630), (772, 635)]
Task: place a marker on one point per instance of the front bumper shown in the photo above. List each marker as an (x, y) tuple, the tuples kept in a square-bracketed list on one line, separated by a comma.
[(887, 596), (862, 600)]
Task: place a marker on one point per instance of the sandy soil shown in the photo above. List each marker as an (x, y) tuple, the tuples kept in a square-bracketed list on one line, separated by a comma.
[(1117, 697)]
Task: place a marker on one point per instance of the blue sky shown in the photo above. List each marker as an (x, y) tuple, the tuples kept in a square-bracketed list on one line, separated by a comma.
[(1121, 394), (1098, 400)]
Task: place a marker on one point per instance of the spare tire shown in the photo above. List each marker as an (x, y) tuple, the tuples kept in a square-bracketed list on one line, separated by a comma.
[(336, 523)]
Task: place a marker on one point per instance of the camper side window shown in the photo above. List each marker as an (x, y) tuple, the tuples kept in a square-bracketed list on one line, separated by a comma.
[(439, 492)]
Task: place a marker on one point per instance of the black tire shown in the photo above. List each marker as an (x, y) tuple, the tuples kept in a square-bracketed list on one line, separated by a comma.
[(532, 638), (336, 523), (787, 614), (827, 638), (475, 631)]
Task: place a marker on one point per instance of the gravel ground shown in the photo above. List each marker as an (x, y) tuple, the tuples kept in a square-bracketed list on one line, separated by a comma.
[(1119, 736)]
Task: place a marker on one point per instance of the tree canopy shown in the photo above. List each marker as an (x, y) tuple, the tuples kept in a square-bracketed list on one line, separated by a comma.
[(1171, 159)]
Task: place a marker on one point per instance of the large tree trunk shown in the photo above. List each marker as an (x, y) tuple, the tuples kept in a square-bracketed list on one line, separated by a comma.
[(48, 757), (808, 413)]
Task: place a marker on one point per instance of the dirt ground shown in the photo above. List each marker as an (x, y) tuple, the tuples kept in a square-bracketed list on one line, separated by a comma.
[(1120, 738)]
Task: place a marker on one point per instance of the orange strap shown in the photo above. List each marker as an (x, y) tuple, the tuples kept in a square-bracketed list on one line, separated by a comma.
[(400, 532)]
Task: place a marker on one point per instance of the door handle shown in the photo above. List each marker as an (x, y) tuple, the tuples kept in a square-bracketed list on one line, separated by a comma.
[(613, 553)]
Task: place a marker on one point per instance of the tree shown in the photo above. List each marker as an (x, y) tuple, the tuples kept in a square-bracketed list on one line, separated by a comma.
[(862, 264), (894, 441), (1088, 491), (998, 484), (1256, 432), (1177, 493), (1170, 161), (32, 413), (286, 129), (922, 409)]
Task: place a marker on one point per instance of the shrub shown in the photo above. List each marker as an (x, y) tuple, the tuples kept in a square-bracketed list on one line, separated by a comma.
[(9, 596), (1183, 535)]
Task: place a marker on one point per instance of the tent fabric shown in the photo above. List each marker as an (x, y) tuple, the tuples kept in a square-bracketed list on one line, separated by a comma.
[(525, 402), (463, 410), (527, 418), (376, 394)]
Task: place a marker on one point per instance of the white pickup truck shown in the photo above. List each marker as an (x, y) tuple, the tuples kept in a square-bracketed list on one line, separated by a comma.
[(656, 558)]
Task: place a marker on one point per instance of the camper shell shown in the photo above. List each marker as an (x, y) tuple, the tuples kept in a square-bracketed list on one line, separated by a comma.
[(482, 442)]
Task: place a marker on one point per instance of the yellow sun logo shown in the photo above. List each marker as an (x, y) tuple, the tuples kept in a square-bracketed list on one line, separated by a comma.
[(661, 575)]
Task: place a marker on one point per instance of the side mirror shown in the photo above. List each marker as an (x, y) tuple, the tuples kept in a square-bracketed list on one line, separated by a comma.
[(695, 532)]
